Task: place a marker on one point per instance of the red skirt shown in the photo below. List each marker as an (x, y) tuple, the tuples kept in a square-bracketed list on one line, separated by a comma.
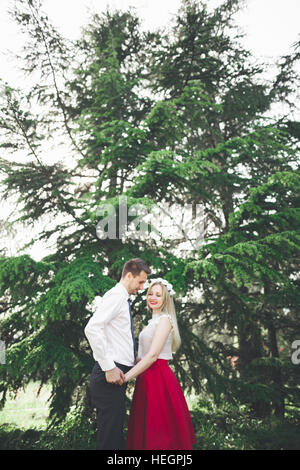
[(159, 417)]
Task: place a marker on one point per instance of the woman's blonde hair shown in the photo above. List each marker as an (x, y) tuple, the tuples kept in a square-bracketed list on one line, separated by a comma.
[(168, 307)]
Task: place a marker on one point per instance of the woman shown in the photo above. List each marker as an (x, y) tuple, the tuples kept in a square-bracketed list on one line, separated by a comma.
[(159, 416)]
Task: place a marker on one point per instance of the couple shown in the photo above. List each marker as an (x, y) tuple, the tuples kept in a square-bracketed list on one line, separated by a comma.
[(159, 416)]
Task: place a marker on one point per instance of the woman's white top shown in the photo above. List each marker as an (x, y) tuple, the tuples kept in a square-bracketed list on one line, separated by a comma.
[(146, 337)]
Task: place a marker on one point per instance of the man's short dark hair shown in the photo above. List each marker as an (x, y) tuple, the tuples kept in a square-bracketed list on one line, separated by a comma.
[(135, 266)]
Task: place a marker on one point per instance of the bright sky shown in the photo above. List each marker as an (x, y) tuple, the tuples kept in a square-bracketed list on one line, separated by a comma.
[(271, 26)]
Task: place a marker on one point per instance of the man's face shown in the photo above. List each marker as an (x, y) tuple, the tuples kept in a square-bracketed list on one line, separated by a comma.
[(136, 283)]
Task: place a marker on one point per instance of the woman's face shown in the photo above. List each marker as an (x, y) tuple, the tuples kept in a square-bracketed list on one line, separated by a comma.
[(155, 298)]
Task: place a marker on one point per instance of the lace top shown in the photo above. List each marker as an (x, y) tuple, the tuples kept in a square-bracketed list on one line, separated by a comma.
[(146, 336)]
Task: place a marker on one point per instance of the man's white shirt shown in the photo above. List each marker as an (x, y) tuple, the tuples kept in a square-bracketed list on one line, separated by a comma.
[(109, 329)]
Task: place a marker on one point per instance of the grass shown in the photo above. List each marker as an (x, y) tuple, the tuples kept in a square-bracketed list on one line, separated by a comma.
[(28, 409)]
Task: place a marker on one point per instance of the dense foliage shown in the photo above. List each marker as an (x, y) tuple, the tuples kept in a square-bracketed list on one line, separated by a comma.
[(174, 119)]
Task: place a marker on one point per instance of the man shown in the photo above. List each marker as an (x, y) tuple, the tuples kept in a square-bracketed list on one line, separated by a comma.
[(111, 337)]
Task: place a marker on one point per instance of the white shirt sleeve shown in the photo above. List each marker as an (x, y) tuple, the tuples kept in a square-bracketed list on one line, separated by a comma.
[(106, 310)]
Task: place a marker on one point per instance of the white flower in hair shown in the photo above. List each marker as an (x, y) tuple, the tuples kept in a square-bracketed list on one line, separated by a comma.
[(165, 283)]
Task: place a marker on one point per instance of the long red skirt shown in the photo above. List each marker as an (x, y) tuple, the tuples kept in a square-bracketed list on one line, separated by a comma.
[(159, 416)]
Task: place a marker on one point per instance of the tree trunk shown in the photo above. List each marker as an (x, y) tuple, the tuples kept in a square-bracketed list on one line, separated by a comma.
[(276, 373), (250, 348), (276, 376)]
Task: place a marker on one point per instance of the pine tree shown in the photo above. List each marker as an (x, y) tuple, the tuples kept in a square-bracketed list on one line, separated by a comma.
[(166, 120)]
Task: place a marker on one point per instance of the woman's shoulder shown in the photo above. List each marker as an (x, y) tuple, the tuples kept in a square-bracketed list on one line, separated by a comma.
[(163, 315)]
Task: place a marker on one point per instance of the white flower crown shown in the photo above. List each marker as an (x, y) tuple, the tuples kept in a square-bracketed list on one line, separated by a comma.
[(164, 282)]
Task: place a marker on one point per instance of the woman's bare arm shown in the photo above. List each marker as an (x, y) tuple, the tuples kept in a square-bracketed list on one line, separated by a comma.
[(161, 334)]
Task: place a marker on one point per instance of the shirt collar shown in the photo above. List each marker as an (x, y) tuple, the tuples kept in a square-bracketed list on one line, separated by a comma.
[(123, 289)]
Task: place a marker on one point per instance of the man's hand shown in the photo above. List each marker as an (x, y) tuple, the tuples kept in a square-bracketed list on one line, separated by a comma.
[(115, 376)]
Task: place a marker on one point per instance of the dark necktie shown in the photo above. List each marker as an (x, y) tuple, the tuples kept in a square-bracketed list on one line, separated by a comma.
[(132, 330)]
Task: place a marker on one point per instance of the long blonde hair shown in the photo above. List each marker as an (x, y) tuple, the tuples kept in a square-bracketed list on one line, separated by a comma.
[(168, 307)]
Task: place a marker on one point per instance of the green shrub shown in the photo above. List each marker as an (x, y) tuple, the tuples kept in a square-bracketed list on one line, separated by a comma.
[(74, 433), (222, 427), (233, 427)]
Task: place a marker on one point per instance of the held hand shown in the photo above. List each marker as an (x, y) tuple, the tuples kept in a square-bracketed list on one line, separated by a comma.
[(115, 376), (127, 375), (122, 378)]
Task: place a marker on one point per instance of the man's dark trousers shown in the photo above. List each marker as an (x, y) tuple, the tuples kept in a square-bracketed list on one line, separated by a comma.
[(109, 401)]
